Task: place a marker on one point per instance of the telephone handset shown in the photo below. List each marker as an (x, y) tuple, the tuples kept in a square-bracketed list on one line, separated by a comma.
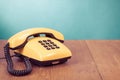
[(41, 46)]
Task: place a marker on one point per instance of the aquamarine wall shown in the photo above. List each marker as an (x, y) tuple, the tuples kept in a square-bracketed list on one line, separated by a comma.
[(76, 19)]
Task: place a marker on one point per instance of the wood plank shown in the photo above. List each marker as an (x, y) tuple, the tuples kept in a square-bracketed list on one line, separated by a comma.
[(106, 54), (80, 67)]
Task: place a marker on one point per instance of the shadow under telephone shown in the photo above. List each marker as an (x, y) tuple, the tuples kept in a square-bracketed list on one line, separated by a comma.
[(42, 46)]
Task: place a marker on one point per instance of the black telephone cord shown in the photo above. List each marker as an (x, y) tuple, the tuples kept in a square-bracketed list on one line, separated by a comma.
[(9, 61)]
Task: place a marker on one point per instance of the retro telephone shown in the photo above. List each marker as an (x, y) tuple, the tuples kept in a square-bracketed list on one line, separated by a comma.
[(41, 46)]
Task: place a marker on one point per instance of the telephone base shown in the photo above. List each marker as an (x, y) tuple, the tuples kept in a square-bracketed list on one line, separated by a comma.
[(50, 62), (46, 63)]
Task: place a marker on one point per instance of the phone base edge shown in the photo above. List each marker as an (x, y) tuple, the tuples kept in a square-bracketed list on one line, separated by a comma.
[(50, 62)]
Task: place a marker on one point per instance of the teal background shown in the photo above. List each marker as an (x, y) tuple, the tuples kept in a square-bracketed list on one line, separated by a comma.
[(76, 19)]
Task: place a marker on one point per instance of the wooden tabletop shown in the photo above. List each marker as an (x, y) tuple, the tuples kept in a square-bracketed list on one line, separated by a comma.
[(91, 60)]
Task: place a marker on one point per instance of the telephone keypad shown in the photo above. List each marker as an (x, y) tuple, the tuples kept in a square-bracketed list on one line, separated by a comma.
[(48, 44)]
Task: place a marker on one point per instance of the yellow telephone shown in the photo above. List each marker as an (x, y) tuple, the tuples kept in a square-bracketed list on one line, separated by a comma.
[(41, 46)]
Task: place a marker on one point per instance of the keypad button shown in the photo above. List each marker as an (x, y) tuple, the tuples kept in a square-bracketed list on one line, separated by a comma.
[(42, 44), (47, 43), (48, 48), (45, 46), (52, 42), (44, 41), (49, 40), (57, 47), (40, 41), (53, 47)]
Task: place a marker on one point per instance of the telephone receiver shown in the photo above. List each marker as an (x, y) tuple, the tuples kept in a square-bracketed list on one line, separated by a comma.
[(40, 46)]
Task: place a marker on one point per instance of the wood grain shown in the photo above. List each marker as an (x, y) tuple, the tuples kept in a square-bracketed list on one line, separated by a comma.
[(91, 60), (106, 54)]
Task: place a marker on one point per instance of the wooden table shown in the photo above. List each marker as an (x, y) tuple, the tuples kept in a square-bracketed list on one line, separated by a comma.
[(91, 60)]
